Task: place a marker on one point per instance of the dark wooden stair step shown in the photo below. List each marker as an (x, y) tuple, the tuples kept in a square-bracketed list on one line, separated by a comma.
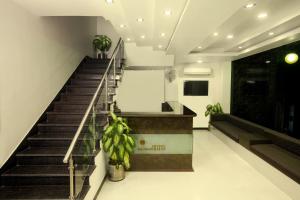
[(88, 76), (58, 139), (84, 82), (53, 156), (43, 175), (81, 90), (61, 127), (68, 107), (36, 192), (67, 117)]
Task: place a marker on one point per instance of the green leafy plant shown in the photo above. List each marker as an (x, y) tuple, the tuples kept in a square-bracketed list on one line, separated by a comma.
[(102, 43), (118, 142), (213, 109)]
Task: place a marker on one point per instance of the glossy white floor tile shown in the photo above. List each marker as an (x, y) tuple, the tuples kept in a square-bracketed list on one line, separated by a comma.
[(220, 174)]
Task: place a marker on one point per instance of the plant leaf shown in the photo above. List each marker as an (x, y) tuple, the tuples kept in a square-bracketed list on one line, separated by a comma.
[(126, 160), (107, 144), (128, 148), (120, 128), (116, 140)]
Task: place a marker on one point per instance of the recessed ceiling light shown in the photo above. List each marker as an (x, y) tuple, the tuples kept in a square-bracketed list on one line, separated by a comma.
[(268, 61), (160, 46), (199, 47), (229, 36), (262, 15), (250, 5), (140, 19), (199, 61), (109, 1), (168, 12), (143, 36), (216, 33), (291, 58), (128, 39), (271, 33), (247, 50), (162, 34), (122, 26), (240, 47)]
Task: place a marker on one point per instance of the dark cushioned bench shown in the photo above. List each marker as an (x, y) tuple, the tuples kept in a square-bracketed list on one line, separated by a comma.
[(280, 158), (281, 151), (239, 132)]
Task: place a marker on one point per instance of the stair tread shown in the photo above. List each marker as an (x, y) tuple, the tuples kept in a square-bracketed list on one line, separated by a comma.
[(54, 136), (48, 151), (47, 170), (53, 192)]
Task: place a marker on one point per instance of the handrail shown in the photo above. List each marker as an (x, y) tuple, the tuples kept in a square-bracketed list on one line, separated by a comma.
[(72, 145)]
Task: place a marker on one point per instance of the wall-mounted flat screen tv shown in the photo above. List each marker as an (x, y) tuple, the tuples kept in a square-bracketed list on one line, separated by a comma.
[(195, 88)]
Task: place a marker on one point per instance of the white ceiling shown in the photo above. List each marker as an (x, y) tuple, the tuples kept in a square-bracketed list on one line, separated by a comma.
[(191, 24)]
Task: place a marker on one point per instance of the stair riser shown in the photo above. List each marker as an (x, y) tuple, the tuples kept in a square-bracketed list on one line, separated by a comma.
[(70, 119), (71, 108), (85, 83), (80, 90), (54, 143), (53, 160), (58, 129), (35, 180), (97, 71), (88, 76)]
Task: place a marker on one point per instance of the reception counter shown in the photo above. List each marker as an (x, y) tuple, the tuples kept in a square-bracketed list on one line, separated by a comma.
[(164, 139)]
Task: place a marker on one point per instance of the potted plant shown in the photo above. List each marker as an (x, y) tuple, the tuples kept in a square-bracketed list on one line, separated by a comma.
[(102, 43), (213, 110), (119, 145)]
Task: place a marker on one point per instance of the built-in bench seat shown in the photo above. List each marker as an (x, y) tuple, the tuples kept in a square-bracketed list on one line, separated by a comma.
[(246, 136), (281, 151), (280, 158)]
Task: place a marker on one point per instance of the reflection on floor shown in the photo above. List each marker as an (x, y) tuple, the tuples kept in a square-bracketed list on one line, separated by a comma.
[(220, 174)]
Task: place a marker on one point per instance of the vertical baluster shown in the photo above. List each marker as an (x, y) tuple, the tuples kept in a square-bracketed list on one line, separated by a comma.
[(95, 136), (71, 174), (106, 94), (114, 69)]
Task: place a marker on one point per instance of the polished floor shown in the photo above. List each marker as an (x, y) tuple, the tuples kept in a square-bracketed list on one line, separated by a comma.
[(220, 174)]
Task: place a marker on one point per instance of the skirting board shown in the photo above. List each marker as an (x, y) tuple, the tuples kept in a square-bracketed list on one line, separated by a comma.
[(283, 182)]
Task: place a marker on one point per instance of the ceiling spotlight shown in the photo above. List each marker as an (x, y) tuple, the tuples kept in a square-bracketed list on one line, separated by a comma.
[(122, 26), (229, 36), (240, 47), (262, 15), (199, 61), (143, 36), (109, 1), (250, 5), (162, 34), (271, 33), (216, 34), (139, 19), (291, 58), (199, 47), (160, 46), (168, 12), (128, 39), (268, 61)]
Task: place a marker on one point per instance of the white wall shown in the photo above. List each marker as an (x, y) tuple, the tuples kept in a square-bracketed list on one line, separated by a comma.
[(104, 27), (141, 91), (146, 57), (38, 55), (219, 90)]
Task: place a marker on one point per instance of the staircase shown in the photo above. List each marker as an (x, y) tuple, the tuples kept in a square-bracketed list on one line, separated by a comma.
[(38, 171)]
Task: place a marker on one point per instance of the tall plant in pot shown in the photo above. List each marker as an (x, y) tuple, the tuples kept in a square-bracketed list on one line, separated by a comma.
[(213, 109), (102, 43), (119, 144)]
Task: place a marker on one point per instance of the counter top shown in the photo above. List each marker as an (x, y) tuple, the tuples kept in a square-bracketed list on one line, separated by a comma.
[(169, 109)]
